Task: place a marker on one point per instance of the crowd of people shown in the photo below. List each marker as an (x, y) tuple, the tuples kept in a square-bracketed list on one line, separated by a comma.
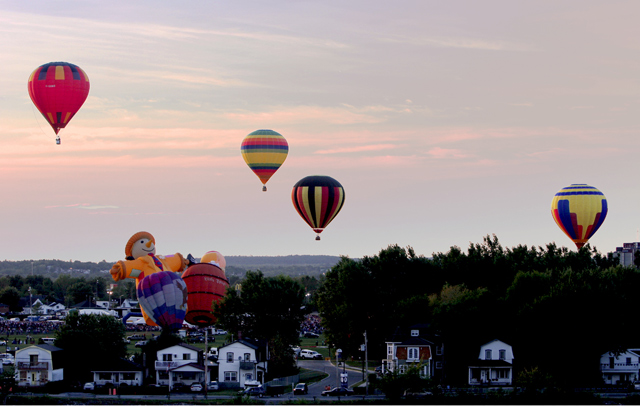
[(312, 323)]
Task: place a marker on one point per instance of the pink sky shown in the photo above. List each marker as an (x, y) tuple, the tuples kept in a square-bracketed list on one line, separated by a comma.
[(444, 121)]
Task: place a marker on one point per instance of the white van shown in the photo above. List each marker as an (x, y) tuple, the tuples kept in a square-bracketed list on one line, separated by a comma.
[(48, 340), (7, 359)]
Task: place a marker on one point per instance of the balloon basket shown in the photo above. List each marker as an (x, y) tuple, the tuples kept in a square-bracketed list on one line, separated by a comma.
[(317, 238), (264, 188)]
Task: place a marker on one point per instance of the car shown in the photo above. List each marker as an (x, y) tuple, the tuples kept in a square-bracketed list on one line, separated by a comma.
[(196, 387), (213, 385), (417, 395), (311, 334), (636, 385), (301, 389), (178, 387), (7, 359), (3, 342), (338, 391), (141, 343), (89, 386), (310, 354), (258, 391)]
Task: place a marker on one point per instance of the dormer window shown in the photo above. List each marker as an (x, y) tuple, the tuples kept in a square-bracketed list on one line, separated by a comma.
[(487, 354), (415, 333), (413, 354)]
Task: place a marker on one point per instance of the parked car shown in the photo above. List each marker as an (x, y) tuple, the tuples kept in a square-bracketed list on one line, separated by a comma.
[(179, 387), (213, 385), (258, 391), (310, 354), (301, 389), (338, 391), (196, 387), (636, 385), (136, 337), (7, 359), (311, 334), (141, 343), (89, 386), (417, 395), (2, 342)]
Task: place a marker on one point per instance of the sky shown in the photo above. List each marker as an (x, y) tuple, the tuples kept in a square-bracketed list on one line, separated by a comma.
[(444, 121)]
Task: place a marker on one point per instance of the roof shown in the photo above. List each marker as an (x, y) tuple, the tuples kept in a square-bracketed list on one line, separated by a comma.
[(490, 363), (248, 342), (117, 365), (46, 347), (187, 346), (416, 341), (189, 365)]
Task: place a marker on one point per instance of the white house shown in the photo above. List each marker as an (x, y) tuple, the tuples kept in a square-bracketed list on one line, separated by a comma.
[(242, 361), (624, 367), (494, 365), (179, 363), (118, 372), (38, 364)]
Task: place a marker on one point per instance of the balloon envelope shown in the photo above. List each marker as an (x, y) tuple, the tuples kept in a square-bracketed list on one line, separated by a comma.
[(264, 151), (318, 199), (215, 258), (163, 297), (206, 284), (58, 89), (579, 210)]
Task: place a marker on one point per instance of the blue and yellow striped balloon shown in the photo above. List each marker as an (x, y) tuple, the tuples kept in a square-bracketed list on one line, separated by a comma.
[(264, 151), (579, 210)]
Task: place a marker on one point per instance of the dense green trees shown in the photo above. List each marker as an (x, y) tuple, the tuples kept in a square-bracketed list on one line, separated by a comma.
[(559, 309), (99, 339), (267, 308)]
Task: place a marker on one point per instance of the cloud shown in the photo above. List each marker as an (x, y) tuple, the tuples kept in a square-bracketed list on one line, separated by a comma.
[(84, 206), (362, 148), (443, 153), (458, 42)]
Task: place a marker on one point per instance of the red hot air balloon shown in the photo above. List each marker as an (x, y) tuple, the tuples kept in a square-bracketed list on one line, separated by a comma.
[(206, 284), (58, 89), (318, 199)]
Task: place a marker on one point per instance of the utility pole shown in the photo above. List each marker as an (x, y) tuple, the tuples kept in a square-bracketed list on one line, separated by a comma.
[(366, 362)]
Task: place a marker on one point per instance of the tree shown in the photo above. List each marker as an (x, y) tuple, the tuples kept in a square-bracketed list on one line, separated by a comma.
[(99, 338), (268, 308), (11, 297)]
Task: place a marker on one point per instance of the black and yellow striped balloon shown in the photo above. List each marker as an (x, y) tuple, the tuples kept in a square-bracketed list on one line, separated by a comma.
[(318, 199)]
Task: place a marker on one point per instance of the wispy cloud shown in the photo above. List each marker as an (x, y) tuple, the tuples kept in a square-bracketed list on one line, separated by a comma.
[(444, 153), (362, 148), (458, 42), (84, 206)]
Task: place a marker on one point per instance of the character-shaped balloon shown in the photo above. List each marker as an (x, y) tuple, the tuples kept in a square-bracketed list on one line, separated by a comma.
[(206, 284), (579, 210), (142, 261)]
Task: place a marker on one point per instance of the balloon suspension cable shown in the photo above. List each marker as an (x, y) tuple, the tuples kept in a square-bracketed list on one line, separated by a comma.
[(318, 237), (264, 188)]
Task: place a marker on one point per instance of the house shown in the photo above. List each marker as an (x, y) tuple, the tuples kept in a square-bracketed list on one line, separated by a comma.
[(242, 361), (179, 363), (118, 372), (417, 347), (494, 365), (38, 364), (52, 308), (622, 368)]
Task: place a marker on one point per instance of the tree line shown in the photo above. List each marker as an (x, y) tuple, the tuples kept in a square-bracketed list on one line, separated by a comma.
[(559, 309)]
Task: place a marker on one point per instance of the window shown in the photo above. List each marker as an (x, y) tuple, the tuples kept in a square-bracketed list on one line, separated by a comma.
[(229, 357), (389, 349), (247, 356), (438, 350), (248, 377), (487, 354), (33, 359), (186, 356), (230, 376), (167, 357), (104, 376), (438, 365), (128, 376), (628, 360), (415, 333), (503, 355), (413, 353), (503, 374)]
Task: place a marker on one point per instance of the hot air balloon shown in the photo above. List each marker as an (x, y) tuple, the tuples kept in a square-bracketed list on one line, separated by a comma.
[(264, 151), (58, 89), (215, 258), (579, 210), (206, 284), (163, 297), (318, 199)]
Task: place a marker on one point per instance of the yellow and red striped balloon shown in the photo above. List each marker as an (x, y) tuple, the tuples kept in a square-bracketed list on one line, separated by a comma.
[(264, 151), (318, 199), (579, 210)]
